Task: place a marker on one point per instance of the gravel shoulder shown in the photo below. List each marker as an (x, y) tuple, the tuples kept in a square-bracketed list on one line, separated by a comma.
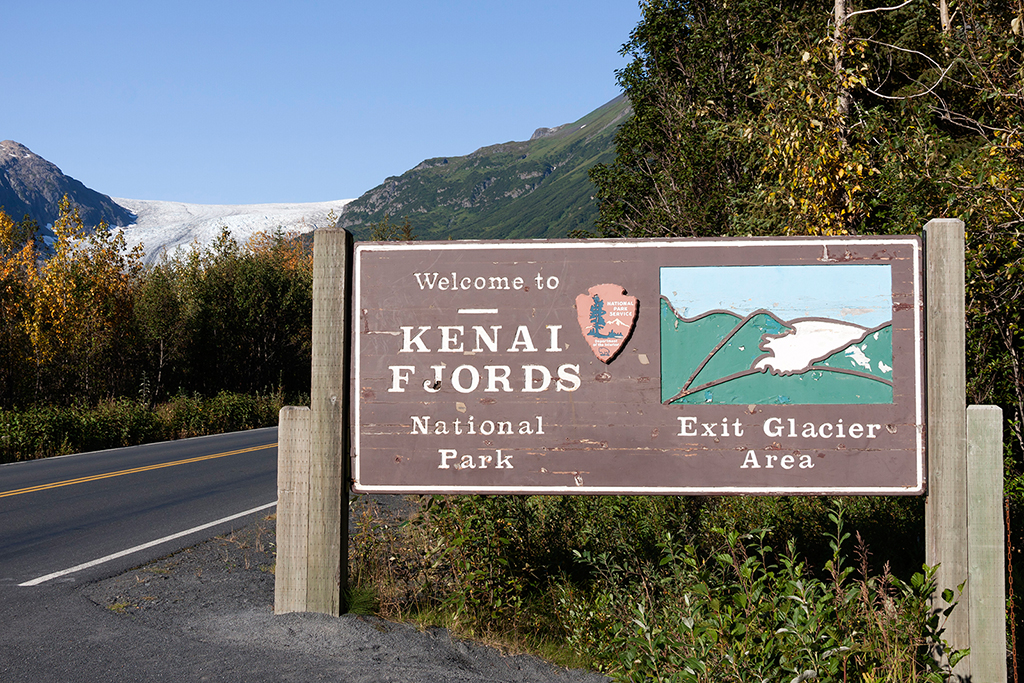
[(221, 593)]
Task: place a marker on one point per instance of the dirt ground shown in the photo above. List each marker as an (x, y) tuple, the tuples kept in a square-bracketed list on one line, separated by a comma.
[(222, 591)]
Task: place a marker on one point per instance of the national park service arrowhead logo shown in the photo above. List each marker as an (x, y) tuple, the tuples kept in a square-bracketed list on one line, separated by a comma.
[(606, 316)]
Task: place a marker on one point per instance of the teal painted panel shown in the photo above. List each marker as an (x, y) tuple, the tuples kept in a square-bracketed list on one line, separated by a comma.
[(801, 334)]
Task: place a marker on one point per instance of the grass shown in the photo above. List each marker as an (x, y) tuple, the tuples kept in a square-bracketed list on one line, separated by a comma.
[(120, 607)]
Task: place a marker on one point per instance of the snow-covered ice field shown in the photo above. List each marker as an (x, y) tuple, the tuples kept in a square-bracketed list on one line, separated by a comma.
[(168, 226)]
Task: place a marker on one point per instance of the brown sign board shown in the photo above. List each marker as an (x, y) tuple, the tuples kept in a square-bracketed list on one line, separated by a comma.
[(728, 366)]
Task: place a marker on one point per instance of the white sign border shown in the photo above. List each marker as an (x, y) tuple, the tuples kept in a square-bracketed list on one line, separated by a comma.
[(469, 245)]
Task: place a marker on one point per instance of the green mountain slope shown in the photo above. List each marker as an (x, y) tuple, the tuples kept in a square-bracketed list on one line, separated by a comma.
[(740, 349), (710, 359), (683, 351), (533, 189)]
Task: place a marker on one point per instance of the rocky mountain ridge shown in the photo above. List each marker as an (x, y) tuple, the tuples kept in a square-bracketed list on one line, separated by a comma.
[(30, 185)]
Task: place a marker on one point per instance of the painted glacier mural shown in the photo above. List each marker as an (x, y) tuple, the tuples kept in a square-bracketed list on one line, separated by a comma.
[(797, 334)]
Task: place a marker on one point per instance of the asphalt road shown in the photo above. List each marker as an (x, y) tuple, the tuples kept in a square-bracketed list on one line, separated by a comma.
[(59, 514), (209, 616)]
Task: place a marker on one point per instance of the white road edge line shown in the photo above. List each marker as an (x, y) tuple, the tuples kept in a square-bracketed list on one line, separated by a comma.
[(129, 551)]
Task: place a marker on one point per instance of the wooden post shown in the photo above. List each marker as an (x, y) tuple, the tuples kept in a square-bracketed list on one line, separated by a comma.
[(290, 577), (946, 504), (986, 543), (327, 566), (312, 477)]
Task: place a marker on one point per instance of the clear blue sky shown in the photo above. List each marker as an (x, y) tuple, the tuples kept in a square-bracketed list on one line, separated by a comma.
[(247, 102)]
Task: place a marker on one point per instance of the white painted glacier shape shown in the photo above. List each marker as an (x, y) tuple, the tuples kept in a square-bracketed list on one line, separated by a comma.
[(810, 341)]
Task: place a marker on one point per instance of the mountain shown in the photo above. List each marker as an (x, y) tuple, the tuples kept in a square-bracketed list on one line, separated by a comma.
[(29, 184), (538, 188), (32, 185)]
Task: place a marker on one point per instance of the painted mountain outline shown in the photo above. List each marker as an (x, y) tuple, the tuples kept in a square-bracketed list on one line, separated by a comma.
[(719, 356)]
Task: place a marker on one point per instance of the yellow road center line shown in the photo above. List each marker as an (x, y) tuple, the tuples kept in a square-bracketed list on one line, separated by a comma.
[(134, 470)]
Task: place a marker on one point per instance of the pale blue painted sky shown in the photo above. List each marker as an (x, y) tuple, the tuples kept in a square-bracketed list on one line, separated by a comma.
[(860, 294), (271, 101)]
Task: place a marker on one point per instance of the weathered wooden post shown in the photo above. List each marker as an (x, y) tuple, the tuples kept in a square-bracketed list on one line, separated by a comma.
[(290, 576), (328, 501), (986, 545), (946, 504), (312, 571), (963, 515)]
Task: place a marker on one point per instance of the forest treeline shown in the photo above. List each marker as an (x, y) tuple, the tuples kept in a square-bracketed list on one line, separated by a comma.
[(759, 117), (83, 322)]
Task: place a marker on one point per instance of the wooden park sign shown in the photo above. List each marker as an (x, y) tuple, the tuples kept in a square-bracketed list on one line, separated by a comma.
[(727, 366)]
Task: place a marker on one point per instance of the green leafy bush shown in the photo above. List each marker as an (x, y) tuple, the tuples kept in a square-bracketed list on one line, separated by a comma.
[(746, 613), (705, 603), (504, 551), (44, 431)]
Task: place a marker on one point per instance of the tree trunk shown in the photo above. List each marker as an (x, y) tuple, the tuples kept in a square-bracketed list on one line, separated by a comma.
[(843, 96)]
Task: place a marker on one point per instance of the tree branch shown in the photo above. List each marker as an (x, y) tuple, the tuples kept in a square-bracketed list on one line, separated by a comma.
[(878, 9), (938, 66)]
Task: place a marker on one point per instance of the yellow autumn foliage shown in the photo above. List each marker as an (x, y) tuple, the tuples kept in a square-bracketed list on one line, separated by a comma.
[(73, 306), (811, 170)]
